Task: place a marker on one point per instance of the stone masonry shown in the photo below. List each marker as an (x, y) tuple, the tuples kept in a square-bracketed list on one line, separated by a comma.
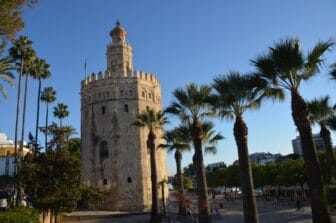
[(114, 153)]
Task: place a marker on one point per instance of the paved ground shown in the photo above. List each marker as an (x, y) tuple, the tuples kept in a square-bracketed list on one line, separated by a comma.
[(232, 212)]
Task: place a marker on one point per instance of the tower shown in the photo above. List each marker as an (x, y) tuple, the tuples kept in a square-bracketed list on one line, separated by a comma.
[(113, 151)]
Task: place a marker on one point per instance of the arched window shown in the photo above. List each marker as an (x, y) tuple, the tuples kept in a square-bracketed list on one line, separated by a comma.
[(143, 94), (103, 152), (103, 109), (121, 93), (126, 108)]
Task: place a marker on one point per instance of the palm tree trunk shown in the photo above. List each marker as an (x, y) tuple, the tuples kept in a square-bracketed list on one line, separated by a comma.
[(46, 128), (180, 186), (203, 203), (318, 199), (20, 155), (17, 128), (249, 203), (37, 115), (155, 217)]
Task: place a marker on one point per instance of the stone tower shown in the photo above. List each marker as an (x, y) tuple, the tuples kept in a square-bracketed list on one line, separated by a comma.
[(113, 151)]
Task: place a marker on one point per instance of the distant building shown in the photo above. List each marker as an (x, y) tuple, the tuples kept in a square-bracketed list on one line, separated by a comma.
[(264, 158), (7, 155), (212, 166), (318, 141)]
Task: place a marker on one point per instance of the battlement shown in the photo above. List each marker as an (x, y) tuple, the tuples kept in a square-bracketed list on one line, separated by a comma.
[(135, 74)]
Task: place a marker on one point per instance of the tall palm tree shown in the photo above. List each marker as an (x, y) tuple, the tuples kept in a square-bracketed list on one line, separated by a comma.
[(6, 75), (30, 57), (235, 94), (178, 140), (48, 96), (321, 112), (153, 121), (61, 112), (40, 72), (19, 53), (284, 67), (191, 106)]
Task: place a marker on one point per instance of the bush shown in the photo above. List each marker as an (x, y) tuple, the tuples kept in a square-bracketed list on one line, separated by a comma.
[(20, 215), (331, 195)]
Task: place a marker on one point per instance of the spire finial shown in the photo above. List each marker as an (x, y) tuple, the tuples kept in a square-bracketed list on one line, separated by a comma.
[(118, 23)]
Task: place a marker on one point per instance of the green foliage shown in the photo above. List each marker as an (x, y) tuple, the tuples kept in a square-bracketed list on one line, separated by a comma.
[(19, 215), (187, 183), (331, 195), (92, 197), (53, 180)]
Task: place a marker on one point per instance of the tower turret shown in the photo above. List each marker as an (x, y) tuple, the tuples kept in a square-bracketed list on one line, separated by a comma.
[(119, 53)]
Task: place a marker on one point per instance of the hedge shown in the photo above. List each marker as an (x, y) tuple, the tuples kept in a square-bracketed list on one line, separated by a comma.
[(20, 215)]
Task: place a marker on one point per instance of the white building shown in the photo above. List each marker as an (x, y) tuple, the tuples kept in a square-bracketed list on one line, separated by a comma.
[(7, 156), (318, 141)]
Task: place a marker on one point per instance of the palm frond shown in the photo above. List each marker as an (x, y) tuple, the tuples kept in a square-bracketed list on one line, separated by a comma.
[(314, 58)]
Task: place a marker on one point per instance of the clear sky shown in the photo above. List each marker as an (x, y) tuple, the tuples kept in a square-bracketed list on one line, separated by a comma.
[(180, 42)]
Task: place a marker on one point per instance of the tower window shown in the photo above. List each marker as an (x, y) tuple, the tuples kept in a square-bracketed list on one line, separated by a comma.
[(103, 110), (143, 94), (103, 150), (130, 93), (129, 180), (105, 181), (149, 95), (126, 108), (121, 93)]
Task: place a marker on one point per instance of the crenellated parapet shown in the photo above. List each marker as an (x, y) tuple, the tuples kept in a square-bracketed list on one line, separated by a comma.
[(135, 75)]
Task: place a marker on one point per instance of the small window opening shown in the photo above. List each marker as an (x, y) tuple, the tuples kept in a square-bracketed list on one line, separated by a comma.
[(105, 181), (103, 110), (126, 107), (129, 180)]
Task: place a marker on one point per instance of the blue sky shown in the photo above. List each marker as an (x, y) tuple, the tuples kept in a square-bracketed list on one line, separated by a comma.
[(180, 42)]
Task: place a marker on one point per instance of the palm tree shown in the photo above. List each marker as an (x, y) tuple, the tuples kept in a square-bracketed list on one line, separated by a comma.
[(6, 75), (210, 137), (178, 140), (333, 71), (234, 95), (153, 121), (48, 96), (284, 67), (19, 53), (191, 106), (30, 57), (321, 112), (162, 184), (40, 72), (61, 111)]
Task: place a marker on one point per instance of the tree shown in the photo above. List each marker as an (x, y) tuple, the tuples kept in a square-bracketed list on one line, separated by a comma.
[(177, 140), (321, 112), (40, 71), (61, 112), (191, 106), (53, 179), (333, 71), (48, 96), (6, 75), (235, 94), (152, 120), (162, 184), (284, 67), (11, 17), (19, 52)]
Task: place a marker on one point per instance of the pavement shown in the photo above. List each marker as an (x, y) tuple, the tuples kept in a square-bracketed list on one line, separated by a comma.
[(231, 212)]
